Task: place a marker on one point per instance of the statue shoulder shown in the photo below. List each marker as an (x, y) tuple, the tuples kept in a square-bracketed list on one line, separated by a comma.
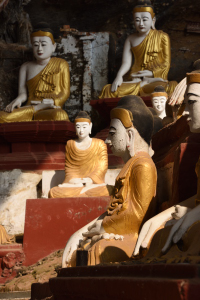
[(131, 37), (144, 164), (100, 143), (163, 35), (60, 61), (70, 143)]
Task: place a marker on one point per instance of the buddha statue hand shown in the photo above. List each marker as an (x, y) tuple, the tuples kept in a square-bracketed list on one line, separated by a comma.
[(42, 106), (144, 73), (86, 243), (181, 226), (48, 101), (116, 83), (15, 103), (180, 211), (150, 227), (95, 229), (87, 181)]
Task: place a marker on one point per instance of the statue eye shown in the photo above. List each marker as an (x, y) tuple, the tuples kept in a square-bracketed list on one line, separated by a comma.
[(111, 133), (191, 101)]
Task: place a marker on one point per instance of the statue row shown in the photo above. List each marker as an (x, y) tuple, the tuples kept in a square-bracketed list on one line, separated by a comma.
[(129, 224), (44, 84)]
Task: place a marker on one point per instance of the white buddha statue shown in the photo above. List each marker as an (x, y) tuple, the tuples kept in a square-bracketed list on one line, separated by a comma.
[(159, 98)]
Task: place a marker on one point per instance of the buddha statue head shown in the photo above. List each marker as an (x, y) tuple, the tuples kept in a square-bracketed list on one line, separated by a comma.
[(159, 98), (144, 16), (192, 99), (42, 42), (131, 127), (83, 125)]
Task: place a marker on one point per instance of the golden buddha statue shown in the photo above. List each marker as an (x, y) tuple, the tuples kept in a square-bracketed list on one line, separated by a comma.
[(44, 83), (112, 236), (152, 58), (185, 217), (86, 163)]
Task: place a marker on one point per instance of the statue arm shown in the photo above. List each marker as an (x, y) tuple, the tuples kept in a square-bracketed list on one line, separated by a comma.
[(92, 229), (125, 66), (161, 65), (101, 163), (152, 225), (22, 91), (64, 84)]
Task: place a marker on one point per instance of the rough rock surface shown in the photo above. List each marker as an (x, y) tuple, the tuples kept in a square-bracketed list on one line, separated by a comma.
[(16, 187), (41, 272)]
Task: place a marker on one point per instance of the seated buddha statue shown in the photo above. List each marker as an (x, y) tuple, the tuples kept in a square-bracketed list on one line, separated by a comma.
[(86, 163), (44, 83), (178, 241), (152, 58), (112, 236)]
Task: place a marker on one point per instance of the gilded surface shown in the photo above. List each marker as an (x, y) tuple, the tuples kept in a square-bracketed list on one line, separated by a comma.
[(5, 238), (92, 163), (153, 54), (53, 82), (134, 191)]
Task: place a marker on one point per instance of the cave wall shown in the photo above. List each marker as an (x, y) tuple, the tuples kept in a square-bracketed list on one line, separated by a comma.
[(18, 17)]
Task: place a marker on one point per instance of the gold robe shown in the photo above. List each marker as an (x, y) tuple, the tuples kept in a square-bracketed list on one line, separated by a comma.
[(134, 191), (92, 163), (153, 54), (53, 82), (187, 250), (5, 238)]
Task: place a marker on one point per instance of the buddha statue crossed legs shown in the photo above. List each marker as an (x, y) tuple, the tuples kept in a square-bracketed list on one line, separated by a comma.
[(152, 58), (44, 83)]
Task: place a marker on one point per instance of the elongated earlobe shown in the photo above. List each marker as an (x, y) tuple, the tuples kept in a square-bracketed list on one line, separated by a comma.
[(130, 137), (90, 128), (153, 23), (54, 47)]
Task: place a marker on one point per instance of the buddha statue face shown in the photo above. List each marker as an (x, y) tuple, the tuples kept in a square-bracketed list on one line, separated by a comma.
[(143, 22), (192, 99), (117, 138), (83, 129), (42, 47), (159, 104)]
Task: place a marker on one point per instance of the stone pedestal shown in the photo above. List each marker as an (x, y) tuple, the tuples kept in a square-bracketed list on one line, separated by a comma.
[(124, 282), (49, 223)]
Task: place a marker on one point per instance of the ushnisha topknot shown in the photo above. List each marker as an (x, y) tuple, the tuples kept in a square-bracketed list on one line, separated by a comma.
[(135, 113), (82, 117), (43, 29), (144, 6), (159, 91)]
